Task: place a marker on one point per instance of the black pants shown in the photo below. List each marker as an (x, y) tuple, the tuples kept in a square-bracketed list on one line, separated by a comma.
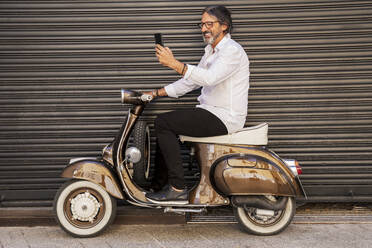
[(194, 122)]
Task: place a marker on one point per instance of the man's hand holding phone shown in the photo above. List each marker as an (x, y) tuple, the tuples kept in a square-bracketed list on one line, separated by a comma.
[(165, 56)]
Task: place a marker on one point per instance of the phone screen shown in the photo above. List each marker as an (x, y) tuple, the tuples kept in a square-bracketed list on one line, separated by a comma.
[(158, 39)]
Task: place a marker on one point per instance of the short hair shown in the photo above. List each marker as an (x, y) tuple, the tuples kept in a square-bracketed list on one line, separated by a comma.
[(222, 14)]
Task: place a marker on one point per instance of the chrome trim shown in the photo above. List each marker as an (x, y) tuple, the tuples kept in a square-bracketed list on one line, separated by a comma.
[(119, 168), (169, 203), (184, 210), (291, 163), (74, 160), (120, 146), (122, 95), (143, 205)]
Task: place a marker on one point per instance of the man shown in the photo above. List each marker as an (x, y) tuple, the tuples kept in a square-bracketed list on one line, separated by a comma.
[(223, 74)]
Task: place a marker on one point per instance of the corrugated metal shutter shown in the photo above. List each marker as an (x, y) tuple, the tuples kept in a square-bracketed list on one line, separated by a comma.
[(62, 64)]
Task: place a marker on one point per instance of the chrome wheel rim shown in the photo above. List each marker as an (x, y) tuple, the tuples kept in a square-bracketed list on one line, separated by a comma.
[(263, 220), (84, 208)]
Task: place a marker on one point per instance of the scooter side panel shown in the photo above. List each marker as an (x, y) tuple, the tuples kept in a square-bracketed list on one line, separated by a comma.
[(94, 171), (250, 181), (258, 166)]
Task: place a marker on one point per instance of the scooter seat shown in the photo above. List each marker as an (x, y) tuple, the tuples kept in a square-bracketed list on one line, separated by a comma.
[(256, 135)]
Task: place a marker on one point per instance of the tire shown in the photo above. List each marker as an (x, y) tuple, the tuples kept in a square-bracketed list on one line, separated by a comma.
[(83, 209), (141, 140), (258, 225)]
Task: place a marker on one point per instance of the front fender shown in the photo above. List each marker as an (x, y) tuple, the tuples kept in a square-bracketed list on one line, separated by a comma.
[(96, 172)]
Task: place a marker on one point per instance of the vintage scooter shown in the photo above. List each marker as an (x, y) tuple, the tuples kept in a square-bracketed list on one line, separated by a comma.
[(236, 169)]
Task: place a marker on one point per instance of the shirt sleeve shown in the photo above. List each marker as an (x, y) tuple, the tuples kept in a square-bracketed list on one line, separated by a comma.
[(180, 88), (227, 63)]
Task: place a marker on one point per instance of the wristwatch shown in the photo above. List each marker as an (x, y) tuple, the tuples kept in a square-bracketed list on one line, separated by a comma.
[(155, 93)]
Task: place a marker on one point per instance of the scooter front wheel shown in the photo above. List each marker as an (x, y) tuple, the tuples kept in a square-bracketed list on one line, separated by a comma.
[(141, 140), (265, 222), (83, 208)]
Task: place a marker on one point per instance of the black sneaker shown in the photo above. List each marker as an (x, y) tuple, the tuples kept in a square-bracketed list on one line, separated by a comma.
[(169, 196)]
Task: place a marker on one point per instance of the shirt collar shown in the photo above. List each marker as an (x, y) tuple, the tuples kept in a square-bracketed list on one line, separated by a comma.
[(209, 49)]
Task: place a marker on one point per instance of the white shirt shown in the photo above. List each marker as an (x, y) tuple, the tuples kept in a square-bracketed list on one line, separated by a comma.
[(224, 76)]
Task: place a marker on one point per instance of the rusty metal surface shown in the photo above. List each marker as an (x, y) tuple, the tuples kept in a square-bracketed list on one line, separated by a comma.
[(204, 193), (96, 172), (269, 176)]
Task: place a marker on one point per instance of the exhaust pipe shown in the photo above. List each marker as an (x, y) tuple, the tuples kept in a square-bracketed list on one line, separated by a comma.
[(260, 202)]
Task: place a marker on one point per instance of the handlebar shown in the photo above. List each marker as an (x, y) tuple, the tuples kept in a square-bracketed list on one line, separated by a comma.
[(133, 97)]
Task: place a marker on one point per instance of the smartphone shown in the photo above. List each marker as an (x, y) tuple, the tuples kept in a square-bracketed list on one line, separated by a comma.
[(158, 39)]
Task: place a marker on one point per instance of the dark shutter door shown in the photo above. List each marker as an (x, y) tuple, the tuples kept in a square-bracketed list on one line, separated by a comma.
[(62, 64)]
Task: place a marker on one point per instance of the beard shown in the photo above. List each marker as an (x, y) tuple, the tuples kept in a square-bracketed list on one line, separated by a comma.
[(211, 39)]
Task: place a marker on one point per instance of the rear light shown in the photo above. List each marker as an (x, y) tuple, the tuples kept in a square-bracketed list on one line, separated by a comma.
[(294, 166)]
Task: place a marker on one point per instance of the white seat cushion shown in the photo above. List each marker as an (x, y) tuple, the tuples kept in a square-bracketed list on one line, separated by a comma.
[(256, 135)]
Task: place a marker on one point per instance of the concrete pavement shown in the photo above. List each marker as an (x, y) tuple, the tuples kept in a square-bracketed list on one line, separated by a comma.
[(191, 235), (314, 225)]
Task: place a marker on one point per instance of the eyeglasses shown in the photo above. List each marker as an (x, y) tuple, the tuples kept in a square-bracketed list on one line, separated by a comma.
[(207, 24)]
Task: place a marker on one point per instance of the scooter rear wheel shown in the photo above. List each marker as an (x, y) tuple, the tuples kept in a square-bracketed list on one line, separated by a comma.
[(252, 222), (83, 209)]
